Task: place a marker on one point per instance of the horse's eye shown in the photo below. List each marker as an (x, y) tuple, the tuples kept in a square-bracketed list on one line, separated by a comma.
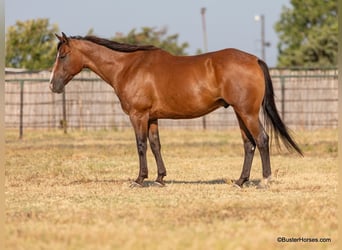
[(62, 56)]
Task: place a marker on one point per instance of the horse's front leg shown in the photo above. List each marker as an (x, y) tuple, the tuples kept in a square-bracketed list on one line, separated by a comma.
[(140, 125), (153, 136)]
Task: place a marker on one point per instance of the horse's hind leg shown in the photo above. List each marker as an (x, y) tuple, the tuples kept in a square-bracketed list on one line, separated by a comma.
[(261, 139), (263, 146), (249, 148), (153, 136)]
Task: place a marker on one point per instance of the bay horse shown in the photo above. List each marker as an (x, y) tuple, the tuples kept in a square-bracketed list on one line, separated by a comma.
[(152, 84)]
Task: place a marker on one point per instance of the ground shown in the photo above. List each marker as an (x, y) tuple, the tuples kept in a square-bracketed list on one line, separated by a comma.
[(73, 192)]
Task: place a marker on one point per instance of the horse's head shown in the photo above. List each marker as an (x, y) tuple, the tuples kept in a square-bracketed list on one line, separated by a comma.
[(68, 63)]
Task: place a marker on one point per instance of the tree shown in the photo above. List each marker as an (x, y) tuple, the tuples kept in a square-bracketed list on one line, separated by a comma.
[(153, 36), (31, 44), (308, 34)]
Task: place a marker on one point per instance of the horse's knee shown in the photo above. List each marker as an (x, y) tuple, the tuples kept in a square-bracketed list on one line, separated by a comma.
[(155, 145), (154, 142), (141, 147), (249, 147)]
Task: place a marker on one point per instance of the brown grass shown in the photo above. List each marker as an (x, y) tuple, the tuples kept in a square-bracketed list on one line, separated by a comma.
[(72, 192)]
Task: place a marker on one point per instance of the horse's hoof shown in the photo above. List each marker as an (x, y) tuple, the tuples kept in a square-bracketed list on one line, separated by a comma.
[(264, 184), (135, 185), (235, 184)]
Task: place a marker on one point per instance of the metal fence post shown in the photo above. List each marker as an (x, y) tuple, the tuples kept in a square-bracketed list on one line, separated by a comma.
[(282, 82), (64, 122), (21, 118), (204, 123)]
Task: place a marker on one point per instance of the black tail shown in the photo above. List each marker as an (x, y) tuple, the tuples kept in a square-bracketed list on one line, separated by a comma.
[(272, 118)]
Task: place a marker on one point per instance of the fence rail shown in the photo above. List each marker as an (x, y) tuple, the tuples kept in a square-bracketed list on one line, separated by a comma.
[(305, 99)]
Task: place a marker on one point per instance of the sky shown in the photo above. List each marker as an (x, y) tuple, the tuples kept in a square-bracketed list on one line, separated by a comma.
[(229, 24)]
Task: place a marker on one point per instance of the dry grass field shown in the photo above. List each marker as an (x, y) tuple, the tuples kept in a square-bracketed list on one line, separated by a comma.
[(72, 192)]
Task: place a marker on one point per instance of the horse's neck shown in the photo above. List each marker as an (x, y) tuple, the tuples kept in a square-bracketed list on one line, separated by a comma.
[(105, 63)]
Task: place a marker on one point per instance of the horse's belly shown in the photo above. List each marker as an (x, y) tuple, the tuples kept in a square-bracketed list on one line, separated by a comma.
[(185, 110)]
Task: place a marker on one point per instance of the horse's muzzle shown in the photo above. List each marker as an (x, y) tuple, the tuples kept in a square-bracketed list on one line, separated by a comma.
[(59, 88)]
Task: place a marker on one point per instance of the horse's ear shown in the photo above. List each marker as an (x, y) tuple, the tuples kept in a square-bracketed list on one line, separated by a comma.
[(63, 38), (59, 37)]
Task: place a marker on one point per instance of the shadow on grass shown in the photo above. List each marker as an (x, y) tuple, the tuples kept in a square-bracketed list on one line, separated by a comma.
[(86, 181), (149, 183), (250, 183), (205, 182)]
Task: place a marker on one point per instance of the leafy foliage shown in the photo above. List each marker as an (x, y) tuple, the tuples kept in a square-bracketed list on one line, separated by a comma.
[(308, 34), (31, 44), (153, 36)]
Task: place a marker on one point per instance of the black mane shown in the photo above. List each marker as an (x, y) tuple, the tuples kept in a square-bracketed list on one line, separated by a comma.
[(122, 47)]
